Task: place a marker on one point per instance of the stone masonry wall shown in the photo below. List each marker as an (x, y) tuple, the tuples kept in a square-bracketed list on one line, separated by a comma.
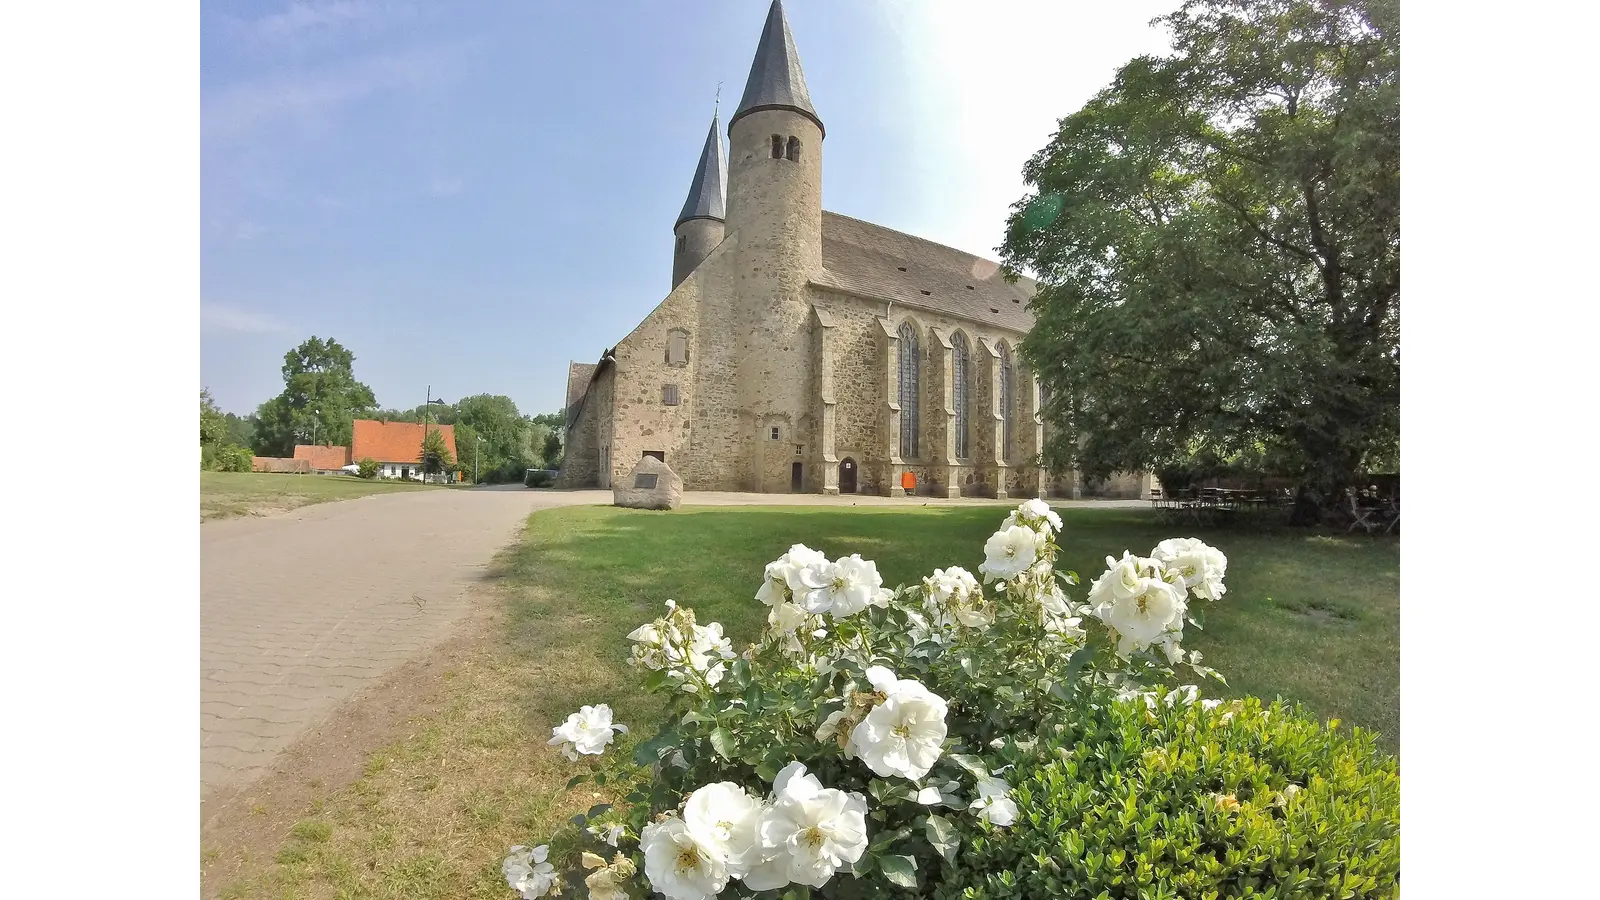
[(643, 422)]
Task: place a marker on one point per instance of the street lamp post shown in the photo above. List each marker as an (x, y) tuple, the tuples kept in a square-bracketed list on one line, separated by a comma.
[(476, 450)]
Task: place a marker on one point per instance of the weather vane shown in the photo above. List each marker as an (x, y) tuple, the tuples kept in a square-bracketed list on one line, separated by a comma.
[(717, 107)]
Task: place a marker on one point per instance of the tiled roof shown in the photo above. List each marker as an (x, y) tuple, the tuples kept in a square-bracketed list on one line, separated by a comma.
[(395, 442), (578, 375), (776, 81), (872, 261), (323, 457)]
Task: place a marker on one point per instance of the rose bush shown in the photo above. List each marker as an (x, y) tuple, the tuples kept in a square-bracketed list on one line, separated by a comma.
[(872, 734)]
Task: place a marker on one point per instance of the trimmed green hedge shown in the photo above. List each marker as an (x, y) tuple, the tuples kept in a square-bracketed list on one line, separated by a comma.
[(1185, 802)]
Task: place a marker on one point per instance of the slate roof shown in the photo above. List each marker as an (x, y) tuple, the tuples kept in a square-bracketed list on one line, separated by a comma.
[(578, 375), (776, 81), (395, 442), (710, 185), (873, 261)]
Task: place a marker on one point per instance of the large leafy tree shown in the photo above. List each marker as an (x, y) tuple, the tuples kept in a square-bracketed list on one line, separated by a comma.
[(320, 399), (1217, 236)]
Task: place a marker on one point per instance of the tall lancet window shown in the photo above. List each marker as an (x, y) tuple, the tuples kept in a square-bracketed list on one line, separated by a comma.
[(794, 148), (910, 390), (1006, 380), (963, 366)]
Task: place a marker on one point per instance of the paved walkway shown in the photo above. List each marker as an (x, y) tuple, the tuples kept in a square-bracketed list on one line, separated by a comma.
[(299, 611)]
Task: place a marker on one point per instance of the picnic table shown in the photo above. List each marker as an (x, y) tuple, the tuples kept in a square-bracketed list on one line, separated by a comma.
[(1206, 506)]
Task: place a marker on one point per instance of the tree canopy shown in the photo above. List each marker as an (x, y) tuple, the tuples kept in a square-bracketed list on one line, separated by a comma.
[(1217, 237), (321, 398)]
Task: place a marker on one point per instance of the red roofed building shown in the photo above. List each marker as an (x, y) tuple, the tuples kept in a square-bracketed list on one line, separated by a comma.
[(397, 446), (323, 459)]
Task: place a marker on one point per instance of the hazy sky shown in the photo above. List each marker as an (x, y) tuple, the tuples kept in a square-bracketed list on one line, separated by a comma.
[(470, 194)]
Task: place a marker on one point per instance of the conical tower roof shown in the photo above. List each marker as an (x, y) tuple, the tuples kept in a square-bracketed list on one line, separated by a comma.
[(710, 183), (776, 81)]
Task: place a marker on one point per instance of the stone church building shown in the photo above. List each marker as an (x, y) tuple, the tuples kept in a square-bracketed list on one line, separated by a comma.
[(801, 350)]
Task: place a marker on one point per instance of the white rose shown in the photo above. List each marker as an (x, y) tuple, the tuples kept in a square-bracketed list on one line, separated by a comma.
[(1201, 566), (679, 866), (586, 731), (1009, 552), (841, 588), (782, 574), (528, 871), (904, 735), (1141, 619), (1183, 694), (808, 832), (786, 618), (723, 819), (994, 804), (1038, 513)]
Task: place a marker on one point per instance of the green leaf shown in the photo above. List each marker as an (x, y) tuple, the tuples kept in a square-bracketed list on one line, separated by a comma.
[(722, 741), (972, 764), (942, 835), (901, 870), (576, 780)]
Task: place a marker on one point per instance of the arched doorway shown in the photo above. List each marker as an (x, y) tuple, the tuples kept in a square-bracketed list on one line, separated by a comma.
[(847, 476)]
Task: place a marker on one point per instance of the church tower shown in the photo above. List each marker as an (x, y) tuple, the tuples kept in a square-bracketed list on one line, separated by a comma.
[(775, 216), (699, 228)]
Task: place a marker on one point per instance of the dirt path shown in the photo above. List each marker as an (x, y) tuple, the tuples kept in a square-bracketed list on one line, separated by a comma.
[(300, 611)]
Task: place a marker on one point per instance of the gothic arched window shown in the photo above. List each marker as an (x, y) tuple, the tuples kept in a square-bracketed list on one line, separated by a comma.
[(777, 146), (1006, 378), (910, 390), (962, 368), (794, 148)]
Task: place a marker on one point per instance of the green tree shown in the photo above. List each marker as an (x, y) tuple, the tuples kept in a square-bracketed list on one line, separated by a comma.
[(213, 424), (436, 456), (1217, 237), (556, 421), (241, 429), (505, 451), (552, 451), (320, 398)]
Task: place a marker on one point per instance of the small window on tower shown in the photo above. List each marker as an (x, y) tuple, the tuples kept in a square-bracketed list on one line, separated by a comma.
[(794, 148), (669, 395), (683, 239), (777, 146), (775, 432)]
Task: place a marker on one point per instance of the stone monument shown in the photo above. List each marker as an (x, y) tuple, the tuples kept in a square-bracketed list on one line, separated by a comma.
[(651, 485)]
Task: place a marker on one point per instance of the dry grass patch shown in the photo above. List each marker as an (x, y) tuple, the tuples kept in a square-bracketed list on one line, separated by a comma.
[(227, 494)]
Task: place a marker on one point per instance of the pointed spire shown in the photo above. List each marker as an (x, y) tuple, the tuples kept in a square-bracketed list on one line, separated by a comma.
[(710, 183), (776, 81)]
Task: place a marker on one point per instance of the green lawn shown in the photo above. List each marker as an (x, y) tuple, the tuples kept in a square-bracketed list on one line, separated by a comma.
[(224, 494), (1313, 618)]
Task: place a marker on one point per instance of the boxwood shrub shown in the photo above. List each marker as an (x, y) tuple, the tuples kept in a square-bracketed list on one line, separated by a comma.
[(1179, 801)]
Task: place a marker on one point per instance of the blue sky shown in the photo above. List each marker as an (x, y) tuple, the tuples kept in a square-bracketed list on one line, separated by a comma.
[(470, 194)]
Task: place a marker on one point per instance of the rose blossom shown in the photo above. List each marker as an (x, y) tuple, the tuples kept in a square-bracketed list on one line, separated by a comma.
[(678, 865), (808, 832), (1009, 552), (586, 731)]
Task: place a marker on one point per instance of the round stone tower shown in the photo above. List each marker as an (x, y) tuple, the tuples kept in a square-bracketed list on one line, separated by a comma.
[(699, 228), (775, 217)]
